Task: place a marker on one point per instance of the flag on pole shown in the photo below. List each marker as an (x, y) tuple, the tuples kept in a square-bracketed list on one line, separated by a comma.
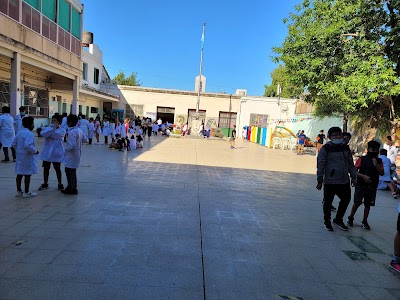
[(202, 36)]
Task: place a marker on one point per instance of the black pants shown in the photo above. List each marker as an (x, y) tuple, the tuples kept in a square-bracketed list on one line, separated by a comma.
[(5, 150), (121, 143), (71, 178), (343, 191), (90, 141)]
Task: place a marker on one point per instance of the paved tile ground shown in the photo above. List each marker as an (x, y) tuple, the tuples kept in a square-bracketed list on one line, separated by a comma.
[(189, 219)]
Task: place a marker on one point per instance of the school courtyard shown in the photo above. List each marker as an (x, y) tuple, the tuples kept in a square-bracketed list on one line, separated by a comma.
[(190, 219)]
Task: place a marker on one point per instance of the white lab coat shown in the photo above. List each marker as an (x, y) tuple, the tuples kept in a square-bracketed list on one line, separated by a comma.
[(18, 122), (392, 154), (72, 156), (132, 143), (24, 144), (53, 147), (64, 123), (91, 130), (106, 128), (7, 132), (123, 130), (112, 130), (84, 126)]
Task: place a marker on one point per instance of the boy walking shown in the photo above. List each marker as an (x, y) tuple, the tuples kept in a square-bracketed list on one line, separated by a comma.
[(26, 165), (369, 168), (72, 154), (53, 151), (233, 137), (335, 163)]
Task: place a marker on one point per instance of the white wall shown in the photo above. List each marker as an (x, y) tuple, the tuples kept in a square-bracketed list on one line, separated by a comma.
[(66, 98), (312, 127), (181, 102), (94, 59), (265, 106)]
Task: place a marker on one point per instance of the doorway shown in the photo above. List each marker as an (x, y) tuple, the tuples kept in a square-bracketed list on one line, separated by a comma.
[(166, 114)]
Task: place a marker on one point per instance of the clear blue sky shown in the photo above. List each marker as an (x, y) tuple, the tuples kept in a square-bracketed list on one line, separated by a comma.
[(160, 40)]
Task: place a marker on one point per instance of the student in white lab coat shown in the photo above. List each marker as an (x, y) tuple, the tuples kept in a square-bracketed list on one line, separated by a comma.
[(26, 165), (53, 151), (84, 125), (124, 128), (97, 130), (90, 131), (132, 142), (18, 119), (106, 130), (64, 125), (72, 155), (112, 130), (7, 133)]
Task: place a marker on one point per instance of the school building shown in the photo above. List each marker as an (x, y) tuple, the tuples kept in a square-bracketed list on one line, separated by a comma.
[(42, 63)]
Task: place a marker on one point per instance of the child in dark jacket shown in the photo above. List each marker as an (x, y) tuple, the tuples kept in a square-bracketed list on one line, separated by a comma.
[(369, 168)]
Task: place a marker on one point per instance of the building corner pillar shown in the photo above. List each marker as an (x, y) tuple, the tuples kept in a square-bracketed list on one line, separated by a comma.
[(15, 86), (75, 96)]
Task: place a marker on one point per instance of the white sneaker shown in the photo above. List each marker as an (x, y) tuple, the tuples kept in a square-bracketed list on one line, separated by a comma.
[(29, 195), (19, 194)]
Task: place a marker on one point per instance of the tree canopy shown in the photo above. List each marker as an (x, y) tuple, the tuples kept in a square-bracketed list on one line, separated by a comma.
[(346, 53), (121, 79), (288, 90)]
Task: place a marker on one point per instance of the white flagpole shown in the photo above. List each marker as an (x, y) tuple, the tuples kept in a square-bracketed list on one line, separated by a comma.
[(201, 69)]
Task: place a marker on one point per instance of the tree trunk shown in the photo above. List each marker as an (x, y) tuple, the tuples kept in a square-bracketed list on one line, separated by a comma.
[(345, 121)]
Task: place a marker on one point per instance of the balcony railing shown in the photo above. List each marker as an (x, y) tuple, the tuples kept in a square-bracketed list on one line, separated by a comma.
[(33, 19)]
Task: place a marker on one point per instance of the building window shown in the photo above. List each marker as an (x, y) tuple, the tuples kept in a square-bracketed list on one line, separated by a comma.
[(36, 101), (64, 14), (76, 24), (4, 94), (258, 120), (226, 119), (34, 3), (94, 110), (96, 76), (49, 9), (85, 71), (129, 112)]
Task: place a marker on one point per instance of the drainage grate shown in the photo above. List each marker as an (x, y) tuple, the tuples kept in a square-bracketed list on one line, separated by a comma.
[(364, 245), (356, 255)]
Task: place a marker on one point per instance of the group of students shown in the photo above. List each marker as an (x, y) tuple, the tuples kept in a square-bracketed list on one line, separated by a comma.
[(53, 153), (334, 165)]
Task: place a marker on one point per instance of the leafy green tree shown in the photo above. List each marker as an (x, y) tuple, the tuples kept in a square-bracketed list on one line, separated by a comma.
[(353, 75), (288, 90), (121, 79)]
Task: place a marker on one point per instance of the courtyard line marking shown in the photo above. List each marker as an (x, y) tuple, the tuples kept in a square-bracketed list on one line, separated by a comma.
[(201, 230)]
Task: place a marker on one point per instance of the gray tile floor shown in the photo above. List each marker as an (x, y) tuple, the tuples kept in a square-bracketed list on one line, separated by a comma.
[(143, 229)]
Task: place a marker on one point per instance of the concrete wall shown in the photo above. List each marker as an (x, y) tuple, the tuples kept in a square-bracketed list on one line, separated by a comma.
[(265, 106), (94, 58), (182, 101), (66, 98), (312, 127), (38, 46)]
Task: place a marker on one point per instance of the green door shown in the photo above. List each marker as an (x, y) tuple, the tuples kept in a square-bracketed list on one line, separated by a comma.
[(258, 135)]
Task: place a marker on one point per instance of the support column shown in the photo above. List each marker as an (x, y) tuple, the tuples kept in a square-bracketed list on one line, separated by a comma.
[(75, 96), (15, 86)]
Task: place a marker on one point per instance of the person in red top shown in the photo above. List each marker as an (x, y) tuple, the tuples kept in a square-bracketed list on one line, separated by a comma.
[(369, 167)]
